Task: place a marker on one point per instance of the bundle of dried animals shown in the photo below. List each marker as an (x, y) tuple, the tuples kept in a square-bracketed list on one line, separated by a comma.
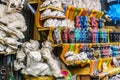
[(12, 25), (40, 62)]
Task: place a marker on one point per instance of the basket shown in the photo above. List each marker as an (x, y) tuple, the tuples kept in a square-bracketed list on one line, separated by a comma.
[(39, 78)]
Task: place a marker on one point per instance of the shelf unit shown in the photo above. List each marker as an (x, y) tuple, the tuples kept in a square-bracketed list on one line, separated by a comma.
[(83, 72)]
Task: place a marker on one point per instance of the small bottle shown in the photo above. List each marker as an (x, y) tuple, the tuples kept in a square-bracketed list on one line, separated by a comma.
[(72, 36), (57, 36), (65, 36)]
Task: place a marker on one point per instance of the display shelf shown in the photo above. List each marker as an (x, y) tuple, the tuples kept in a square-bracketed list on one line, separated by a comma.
[(43, 29), (89, 44), (6, 53), (33, 1), (53, 17), (108, 72), (39, 78), (81, 70), (50, 7), (78, 62), (111, 71)]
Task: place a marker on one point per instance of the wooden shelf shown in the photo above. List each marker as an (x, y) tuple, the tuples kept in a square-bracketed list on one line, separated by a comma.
[(60, 45), (54, 17), (51, 7), (43, 29), (80, 71), (39, 78), (33, 1), (86, 71), (108, 28), (6, 53), (78, 62), (108, 72)]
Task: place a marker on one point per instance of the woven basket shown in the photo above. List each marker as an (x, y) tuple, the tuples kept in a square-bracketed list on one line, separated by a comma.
[(39, 78)]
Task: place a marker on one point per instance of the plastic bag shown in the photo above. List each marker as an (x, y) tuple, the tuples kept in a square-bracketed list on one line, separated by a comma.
[(114, 10)]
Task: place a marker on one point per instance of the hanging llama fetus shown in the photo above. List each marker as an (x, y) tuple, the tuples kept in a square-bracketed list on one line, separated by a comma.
[(14, 5)]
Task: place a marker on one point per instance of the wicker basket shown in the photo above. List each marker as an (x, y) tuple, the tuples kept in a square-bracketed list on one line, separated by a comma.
[(39, 78)]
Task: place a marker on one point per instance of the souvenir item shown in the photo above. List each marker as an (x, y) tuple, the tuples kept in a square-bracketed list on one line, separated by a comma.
[(84, 21), (95, 70), (83, 56), (12, 26), (46, 3), (114, 36), (111, 37), (50, 13), (52, 3), (92, 65), (113, 10), (88, 36), (72, 36), (76, 12), (71, 15), (77, 22), (57, 36), (84, 4), (15, 23), (110, 60), (81, 21), (102, 36), (95, 35), (115, 48), (71, 56), (105, 66), (65, 8), (105, 36), (67, 74), (58, 22), (67, 11), (14, 5), (90, 53), (96, 51), (100, 14), (83, 35), (105, 52), (93, 13), (46, 54), (80, 12), (101, 23), (85, 12), (35, 59), (77, 48), (116, 62), (94, 22), (65, 35), (77, 35), (100, 65)]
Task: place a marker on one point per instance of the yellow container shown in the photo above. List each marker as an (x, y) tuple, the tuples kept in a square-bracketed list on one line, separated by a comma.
[(39, 78)]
